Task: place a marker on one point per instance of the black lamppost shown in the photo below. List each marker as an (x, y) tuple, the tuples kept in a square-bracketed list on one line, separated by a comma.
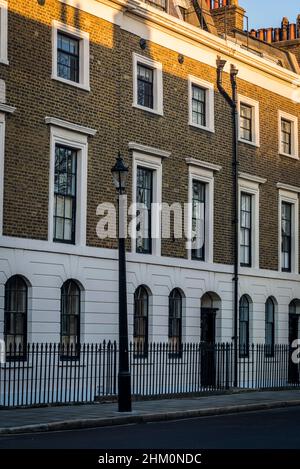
[(119, 173)]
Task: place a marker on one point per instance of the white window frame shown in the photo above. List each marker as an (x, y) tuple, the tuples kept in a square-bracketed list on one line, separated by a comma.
[(294, 129), (2, 156), (210, 105), (157, 83), (77, 141), (3, 31), (154, 163), (292, 198), (255, 120), (84, 54), (205, 175), (250, 186)]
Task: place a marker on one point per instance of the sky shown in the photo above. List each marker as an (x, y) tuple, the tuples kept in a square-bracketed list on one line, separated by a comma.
[(269, 13)]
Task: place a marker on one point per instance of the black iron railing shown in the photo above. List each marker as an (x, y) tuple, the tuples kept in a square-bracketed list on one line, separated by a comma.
[(52, 374)]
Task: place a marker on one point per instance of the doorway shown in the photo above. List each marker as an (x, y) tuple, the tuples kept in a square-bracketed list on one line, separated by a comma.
[(293, 335), (209, 310)]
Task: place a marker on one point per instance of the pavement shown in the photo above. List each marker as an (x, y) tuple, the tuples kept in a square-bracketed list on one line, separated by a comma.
[(43, 419)]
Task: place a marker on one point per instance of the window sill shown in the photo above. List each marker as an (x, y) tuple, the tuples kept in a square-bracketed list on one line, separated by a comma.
[(201, 127), (252, 144), (288, 272), (293, 157), (4, 61), (249, 267), (147, 109), (71, 83)]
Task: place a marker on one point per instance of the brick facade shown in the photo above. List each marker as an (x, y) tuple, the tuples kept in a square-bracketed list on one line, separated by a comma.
[(108, 108)]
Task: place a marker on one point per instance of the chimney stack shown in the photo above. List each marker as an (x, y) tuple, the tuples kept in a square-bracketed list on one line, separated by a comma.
[(227, 15)]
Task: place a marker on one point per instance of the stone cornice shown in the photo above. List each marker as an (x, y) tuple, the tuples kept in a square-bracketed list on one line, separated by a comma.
[(148, 150), (7, 109), (203, 164), (178, 28), (70, 126), (252, 178)]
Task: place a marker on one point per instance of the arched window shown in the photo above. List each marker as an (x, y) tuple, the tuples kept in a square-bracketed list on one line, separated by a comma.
[(70, 319), (175, 320), (244, 326), (140, 327), (270, 327), (15, 317)]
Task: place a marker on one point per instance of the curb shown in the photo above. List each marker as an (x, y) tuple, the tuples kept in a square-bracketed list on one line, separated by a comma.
[(144, 418)]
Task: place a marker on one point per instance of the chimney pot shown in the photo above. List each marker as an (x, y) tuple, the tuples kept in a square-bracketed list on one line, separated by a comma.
[(292, 32), (298, 26), (261, 34), (276, 34), (269, 35), (253, 32), (284, 28)]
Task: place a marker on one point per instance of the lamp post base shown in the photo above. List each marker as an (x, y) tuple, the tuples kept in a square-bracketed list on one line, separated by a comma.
[(124, 396)]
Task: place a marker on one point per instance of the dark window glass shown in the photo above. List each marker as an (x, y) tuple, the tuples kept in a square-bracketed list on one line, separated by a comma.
[(144, 194), (286, 136), (145, 86), (270, 327), (161, 4), (184, 12), (140, 326), (175, 321), (70, 319), (68, 57), (198, 220), (286, 236), (244, 327), (198, 105), (65, 181), (246, 229), (15, 318), (246, 122)]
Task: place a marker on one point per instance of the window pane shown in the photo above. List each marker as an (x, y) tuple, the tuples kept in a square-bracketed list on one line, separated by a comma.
[(270, 327), (175, 320), (68, 57), (65, 194), (244, 327), (286, 236), (198, 105), (145, 86), (198, 220), (144, 193), (140, 329), (245, 229), (246, 122), (70, 318), (15, 317), (286, 136)]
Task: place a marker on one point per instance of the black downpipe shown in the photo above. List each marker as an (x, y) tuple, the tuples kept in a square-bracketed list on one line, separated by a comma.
[(233, 102)]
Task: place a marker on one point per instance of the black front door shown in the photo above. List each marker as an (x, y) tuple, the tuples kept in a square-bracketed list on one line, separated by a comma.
[(293, 335), (208, 337)]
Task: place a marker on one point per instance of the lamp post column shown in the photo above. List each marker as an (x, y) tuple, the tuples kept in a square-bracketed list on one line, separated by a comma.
[(119, 172)]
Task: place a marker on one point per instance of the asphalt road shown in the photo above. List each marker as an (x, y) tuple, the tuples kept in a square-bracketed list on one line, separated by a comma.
[(272, 429)]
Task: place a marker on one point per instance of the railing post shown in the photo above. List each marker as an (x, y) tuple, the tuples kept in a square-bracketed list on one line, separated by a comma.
[(227, 355)]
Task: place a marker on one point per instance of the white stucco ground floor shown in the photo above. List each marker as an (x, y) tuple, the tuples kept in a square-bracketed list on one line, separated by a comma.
[(46, 266)]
